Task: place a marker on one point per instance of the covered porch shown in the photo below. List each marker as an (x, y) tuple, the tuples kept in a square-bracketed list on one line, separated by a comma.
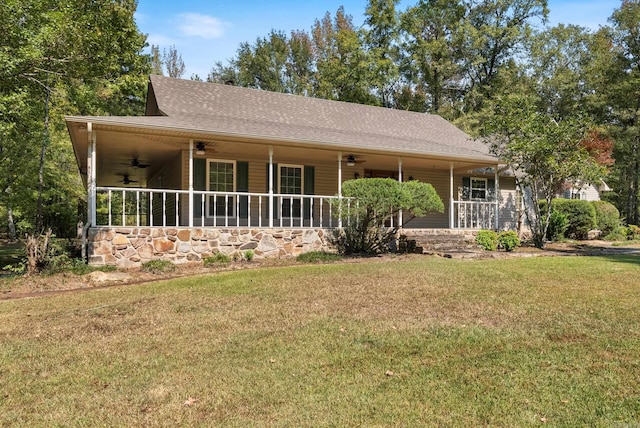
[(140, 177)]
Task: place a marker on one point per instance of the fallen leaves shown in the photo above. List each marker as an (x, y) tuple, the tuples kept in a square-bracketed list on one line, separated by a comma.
[(190, 402)]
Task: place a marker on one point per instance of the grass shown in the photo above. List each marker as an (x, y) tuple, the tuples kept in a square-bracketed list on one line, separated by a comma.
[(423, 342)]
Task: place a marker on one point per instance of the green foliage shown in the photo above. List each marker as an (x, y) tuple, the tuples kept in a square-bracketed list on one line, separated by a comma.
[(318, 257), (216, 259), (370, 206), (620, 233), (607, 216), (158, 266), (487, 239), (249, 255), (633, 232), (508, 240), (558, 224), (546, 151), (581, 215)]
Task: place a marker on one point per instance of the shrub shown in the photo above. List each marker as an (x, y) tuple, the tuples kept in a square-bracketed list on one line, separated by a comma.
[(581, 216), (607, 216), (508, 240), (487, 239), (158, 266), (248, 255), (318, 256), (620, 233), (633, 232), (558, 223), (218, 258)]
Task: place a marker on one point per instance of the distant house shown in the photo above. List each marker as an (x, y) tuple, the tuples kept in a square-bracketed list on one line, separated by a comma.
[(585, 192), (222, 168)]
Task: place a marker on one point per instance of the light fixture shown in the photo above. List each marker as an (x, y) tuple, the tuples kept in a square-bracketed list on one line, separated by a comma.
[(351, 160), (200, 148)]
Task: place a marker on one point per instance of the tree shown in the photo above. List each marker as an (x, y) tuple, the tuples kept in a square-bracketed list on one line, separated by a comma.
[(615, 76), (173, 62), (381, 40), (371, 203), (433, 44), (544, 152), (157, 64), (47, 59)]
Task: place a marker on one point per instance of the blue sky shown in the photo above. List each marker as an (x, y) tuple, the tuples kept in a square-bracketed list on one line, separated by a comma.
[(206, 31)]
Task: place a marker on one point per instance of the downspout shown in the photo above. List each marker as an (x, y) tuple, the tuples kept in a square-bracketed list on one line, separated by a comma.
[(191, 210), (271, 207), (497, 181), (451, 221), (340, 189), (400, 220)]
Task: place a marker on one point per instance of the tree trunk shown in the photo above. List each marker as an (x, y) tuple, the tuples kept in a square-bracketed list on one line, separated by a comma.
[(10, 223), (43, 152)]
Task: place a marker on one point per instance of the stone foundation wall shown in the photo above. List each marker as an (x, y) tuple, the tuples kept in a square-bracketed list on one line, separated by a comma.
[(130, 247)]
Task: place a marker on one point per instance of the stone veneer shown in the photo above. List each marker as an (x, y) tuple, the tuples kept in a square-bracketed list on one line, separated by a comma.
[(129, 247)]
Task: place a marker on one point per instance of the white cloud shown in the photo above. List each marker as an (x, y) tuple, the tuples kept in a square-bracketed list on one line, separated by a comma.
[(203, 26)]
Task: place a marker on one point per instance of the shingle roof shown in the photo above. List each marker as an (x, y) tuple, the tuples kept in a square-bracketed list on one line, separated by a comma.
[(255, 113)]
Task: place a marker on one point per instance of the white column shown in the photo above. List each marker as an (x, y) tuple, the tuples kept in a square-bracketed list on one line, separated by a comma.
[(400, 180), (191, 183), (271, 209), (91, 175), (340, 189), (497, 191), (91, 182), (451, 218)]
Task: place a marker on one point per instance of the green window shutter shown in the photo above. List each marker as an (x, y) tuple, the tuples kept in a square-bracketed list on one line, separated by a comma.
[(466, 188), (491, 189), (309, 189), (199, 183), (242, 185)]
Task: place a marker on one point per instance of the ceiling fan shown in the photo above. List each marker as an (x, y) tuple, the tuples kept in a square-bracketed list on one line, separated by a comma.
[(126, 180), (135, 163), (351, 160)]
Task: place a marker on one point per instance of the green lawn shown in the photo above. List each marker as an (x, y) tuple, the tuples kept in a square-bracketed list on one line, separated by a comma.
[(419, 342)]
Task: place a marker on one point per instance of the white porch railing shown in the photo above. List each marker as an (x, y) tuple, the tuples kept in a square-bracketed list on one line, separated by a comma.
[(474, 215), (158, 207)]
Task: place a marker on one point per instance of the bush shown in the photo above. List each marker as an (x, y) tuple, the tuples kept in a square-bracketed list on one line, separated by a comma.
[(248, 255), (633, 232), (581, 217), (558, 224), (318, 256), (158, 266), (487, 239), (620, 233), (508, 240), (607, 216), (218, 258)]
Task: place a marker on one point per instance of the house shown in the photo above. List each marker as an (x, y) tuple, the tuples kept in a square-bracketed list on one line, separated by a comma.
[(586, 191), (215, 167)]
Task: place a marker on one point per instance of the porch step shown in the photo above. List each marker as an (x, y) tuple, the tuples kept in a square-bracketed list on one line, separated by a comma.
[(442, 240)]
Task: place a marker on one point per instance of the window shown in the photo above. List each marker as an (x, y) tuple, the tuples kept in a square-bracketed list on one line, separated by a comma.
[(478, 188), (291, 183), (221, 178)]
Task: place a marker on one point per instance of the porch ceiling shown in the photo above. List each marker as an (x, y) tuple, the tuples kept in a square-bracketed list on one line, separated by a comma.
[(119, 144)]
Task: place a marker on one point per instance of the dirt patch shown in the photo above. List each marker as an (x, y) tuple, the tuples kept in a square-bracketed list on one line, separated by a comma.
[(16, 287)]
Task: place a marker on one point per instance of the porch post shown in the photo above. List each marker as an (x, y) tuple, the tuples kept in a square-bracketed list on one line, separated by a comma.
[(91, 175), (271, 186), (497, 179), (340, 188), (191, 183), (400, 180), (451, 217)]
